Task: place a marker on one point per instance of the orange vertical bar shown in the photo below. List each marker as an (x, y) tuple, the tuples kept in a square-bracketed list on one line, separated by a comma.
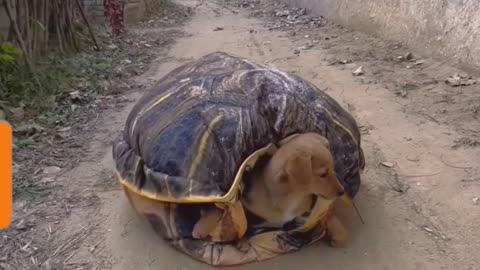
[(5, 174)]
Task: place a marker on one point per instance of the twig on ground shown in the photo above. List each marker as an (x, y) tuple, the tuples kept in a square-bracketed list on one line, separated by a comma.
[(417, 175), (435, 232), (412, 175), (430, 117), (92, 248), (470, 180), (68, 258), (96, 266), (358, 213), (398, 185), (69, 243)]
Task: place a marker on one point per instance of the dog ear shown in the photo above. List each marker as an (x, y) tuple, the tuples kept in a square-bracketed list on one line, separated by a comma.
[(299, 170), (296, 168), (295, 174), (279, 187), (281, 182)]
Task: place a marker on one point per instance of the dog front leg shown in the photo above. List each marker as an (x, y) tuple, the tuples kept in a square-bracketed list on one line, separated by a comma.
[(206, 224), (336, 232)]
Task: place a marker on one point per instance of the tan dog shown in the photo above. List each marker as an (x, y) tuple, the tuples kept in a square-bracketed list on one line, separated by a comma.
[(284, 189), (301, 168)]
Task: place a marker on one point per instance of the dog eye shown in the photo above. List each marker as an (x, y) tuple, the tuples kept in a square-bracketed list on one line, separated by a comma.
[(323, 173)]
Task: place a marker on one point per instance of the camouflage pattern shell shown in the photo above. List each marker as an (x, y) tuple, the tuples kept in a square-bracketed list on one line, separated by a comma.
[(185, 139)]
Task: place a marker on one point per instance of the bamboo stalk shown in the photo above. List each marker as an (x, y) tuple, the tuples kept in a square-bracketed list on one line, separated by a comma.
[(69, 15), (47, 26), (11, 33), (57, 25), (19, 36), (33, 22), (61, 24), (41, 19), (27, 26), (18, 11), (82, 12), (66, 23), (21, 41)]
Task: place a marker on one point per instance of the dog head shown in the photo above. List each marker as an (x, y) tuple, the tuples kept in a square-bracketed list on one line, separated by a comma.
[(304, 164)]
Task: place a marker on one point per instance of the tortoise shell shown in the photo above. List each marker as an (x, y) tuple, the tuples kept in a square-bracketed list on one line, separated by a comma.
[(192, 136)]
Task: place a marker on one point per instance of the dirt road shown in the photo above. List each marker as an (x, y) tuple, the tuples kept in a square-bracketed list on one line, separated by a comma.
[(419, 210)]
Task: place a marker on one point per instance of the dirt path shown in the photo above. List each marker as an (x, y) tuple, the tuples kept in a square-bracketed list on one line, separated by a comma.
[(419, 214)]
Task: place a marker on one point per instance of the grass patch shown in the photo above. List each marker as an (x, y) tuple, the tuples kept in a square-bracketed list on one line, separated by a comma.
[(35, 89), (55, 76)]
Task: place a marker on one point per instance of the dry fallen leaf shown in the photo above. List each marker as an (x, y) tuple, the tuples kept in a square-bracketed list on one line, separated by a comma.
[(51, 170), (359, 71), (21, 225), (28, 130), (413, 159), (307, 46), (428, 229), (460, 80), (282, 13), (408, 56), (18, 114), (47, 179), (419, 62), (65, 129), (387, 164), (365, 129), (401, 93), (112, 47)]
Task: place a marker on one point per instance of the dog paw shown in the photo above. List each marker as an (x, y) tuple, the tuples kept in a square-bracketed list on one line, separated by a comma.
[(337, 233), (199, 234), (338, 242)]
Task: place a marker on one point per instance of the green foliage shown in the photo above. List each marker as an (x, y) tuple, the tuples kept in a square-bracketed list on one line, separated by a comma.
[(8, 54), (19, 84)]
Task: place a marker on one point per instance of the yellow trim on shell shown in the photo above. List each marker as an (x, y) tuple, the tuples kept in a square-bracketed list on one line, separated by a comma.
[(347, 130), (287, 139), (201, 150), (335, 121), (237, 214), (319, 211), (229, 196), (160, 100)]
